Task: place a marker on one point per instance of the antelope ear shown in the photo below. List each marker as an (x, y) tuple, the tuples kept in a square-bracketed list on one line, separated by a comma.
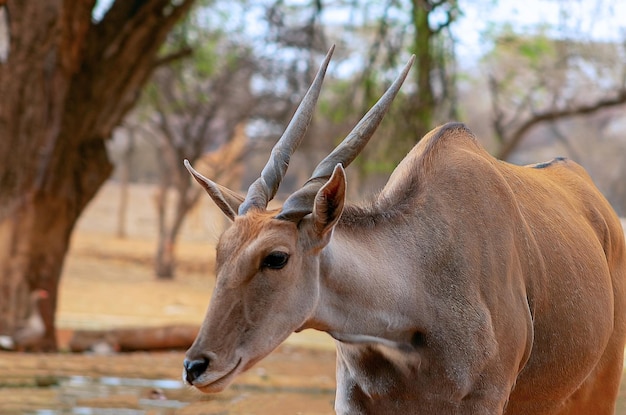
[(227, 200), (329, 202)]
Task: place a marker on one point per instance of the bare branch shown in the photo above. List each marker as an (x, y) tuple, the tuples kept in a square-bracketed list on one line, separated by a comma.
[(172, 57), (164, 123), (450, 19), (498, 114), (451, 13), (573, 152), (515, 138)]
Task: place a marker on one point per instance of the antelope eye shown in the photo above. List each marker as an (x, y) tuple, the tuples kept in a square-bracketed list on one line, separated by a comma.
[(275, 260)]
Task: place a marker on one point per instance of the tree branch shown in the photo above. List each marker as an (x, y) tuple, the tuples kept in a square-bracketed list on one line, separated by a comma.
[(172, 57), (552, 115), (498, 114), (573, 153), (451, 14), (131, 31)]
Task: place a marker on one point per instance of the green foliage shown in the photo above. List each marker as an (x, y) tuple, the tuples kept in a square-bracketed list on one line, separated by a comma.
[(526, 65), (533, 46), (371, 167), (332, 106), (204, 33), (536, 48)]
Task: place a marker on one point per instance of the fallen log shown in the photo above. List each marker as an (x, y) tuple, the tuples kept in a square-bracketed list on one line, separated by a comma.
[(174, 337)]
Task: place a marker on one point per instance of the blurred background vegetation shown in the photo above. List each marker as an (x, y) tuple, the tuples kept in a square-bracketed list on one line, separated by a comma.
[(125, 90)]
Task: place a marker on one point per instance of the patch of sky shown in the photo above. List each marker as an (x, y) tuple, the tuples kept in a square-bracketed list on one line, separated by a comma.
[(596, 20)]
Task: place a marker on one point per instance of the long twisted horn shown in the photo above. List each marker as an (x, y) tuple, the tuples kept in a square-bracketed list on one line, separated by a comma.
[(300, 203), (265, 187)]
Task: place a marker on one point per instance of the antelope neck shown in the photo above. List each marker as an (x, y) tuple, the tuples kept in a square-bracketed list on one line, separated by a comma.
[(363, 299)]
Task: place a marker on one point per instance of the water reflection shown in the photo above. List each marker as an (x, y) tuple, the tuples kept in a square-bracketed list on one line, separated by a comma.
[(84, 395), (132, 382)]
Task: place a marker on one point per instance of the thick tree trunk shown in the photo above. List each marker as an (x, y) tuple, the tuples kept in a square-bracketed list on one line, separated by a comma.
[(419, 108), (67, 82), (35, 237), (423, 103)]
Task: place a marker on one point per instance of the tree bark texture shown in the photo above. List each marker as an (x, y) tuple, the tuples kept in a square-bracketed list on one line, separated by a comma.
[(423, 103), (420, 109), (67, 82)]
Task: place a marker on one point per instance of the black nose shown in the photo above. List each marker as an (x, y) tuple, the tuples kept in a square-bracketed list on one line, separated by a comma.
[(195, 368)]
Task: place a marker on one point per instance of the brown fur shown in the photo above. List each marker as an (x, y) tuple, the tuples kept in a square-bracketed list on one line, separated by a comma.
[(468, 286), (401, 192)]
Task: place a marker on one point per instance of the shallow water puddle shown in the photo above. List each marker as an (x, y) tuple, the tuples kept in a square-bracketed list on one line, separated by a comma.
[(107, 395), (289, 381)]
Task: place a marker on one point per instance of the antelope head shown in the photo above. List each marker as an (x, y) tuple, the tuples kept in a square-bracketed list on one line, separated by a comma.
[(268, 261)]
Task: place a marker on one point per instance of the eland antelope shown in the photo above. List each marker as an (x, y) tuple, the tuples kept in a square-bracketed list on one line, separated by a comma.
[(467, 286)]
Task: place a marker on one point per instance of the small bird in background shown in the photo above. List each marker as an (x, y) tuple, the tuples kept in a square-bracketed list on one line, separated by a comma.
[(31, 330)]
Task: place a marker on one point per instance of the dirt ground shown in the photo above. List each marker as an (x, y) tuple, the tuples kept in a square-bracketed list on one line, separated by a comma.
[(108, 283)]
